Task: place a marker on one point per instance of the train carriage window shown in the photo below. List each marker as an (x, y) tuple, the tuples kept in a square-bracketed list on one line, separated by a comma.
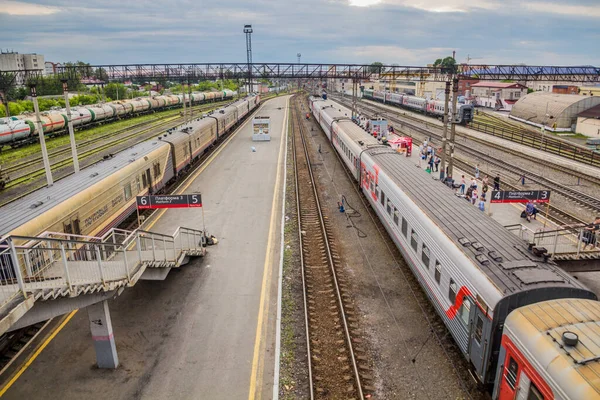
[(534, 393), (438, 272), (396, 216), (511, 373), (479, 329), (425, 255), (144, 181), (404, 227), (452, 291), (156, 170), (127, 191), (137, 182), (465, 310), (389, 207), (414, 239), (382, 198)]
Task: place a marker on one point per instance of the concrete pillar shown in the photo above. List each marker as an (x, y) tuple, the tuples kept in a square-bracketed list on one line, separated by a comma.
[(102, 334)]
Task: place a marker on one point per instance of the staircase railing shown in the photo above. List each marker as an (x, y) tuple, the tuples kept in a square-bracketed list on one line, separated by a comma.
[(71, 262)]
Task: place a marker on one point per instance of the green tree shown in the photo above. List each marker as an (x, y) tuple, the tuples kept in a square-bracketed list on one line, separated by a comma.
[(447, 64), (115, 91), (376, 67)]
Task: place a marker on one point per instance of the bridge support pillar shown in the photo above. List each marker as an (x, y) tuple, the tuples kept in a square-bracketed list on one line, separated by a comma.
[(102, 334)]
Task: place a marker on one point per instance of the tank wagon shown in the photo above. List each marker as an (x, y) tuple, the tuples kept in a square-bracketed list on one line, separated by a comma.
[(103, 195), (429, 107), (22, 129), (476, 279)]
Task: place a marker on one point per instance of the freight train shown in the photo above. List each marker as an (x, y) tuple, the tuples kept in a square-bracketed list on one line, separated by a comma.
[(527, 329), (102, 196), (429, 107), (22, 129)]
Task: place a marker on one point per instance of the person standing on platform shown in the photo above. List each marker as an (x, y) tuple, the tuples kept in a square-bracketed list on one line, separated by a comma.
[(588, 236), (462, 185), (437, 163), (477, 172), (497, 182), (473, 183), (474, 196), (482, 202), (431, 162)]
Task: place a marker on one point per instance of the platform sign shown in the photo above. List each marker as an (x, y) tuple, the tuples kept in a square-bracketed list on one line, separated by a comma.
[(169, 201), (506, 196)]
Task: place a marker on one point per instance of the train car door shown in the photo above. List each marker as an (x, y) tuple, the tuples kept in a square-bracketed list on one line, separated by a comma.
[(149, 180), (478, 341)]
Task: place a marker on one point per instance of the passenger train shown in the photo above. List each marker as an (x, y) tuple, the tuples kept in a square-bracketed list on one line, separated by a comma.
[(483, 281), (102, 196), (430, 107), (22, 129)]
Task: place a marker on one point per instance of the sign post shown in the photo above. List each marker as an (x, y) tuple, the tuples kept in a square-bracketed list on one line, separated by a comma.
[(170, 201), (535, 196)]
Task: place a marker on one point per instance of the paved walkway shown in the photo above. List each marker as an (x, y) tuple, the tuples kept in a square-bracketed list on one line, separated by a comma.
[(192, 336)]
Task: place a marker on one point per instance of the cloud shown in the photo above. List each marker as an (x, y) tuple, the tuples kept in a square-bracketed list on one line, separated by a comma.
[(19, 8), (592, 11), (434, 6), (391, 54)]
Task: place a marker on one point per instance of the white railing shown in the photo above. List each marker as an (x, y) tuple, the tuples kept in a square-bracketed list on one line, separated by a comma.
[(574, 240), (67, 262)]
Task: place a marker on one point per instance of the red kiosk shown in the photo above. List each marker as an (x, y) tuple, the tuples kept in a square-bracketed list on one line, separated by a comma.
[(402, 144)]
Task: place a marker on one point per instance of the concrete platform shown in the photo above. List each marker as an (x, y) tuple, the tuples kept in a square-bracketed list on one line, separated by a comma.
[(531, 152), (208, 330)]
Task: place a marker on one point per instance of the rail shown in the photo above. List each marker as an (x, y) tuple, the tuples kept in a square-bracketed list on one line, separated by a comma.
[(75, 264), (546, 143)]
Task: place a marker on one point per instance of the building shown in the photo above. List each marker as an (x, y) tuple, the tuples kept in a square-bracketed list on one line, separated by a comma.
[(51, 68), (13, 61), (557, 112), (464, 86), (588, 122), (589, 90), (565, 89), (497, 95)]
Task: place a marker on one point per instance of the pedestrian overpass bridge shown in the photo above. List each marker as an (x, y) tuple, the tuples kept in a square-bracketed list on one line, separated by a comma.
[(53, 274)]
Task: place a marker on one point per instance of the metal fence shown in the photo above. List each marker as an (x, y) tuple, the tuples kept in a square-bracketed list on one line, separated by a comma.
[(71, 263), (546, 143)]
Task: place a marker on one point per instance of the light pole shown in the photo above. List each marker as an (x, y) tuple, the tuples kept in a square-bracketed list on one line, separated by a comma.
[(248, 31), (70, 126), (40, 127)]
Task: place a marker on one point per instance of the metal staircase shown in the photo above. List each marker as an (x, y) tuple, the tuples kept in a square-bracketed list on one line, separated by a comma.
[(57, 265)]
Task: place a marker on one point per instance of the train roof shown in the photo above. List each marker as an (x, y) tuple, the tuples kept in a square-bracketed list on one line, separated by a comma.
[(501, 255), (20, 211), (573, 367)]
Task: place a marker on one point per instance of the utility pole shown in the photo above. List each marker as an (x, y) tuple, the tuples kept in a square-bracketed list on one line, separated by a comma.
[(248, 31), (70, 126), (445, 137), (453, 123), (183, 98), (40, 128), (190, 105), (4, 100)]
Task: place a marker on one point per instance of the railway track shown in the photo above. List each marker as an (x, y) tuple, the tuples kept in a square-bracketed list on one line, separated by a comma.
[(62, 156), (574, 195), (31, 179), (562, 217), (332, 363), (531, 138)]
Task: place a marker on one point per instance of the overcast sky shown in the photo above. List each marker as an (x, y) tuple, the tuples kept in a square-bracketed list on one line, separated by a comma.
[(404, 32)]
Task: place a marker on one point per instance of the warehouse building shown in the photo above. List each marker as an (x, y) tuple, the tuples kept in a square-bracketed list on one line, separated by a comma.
[(588, 122), (557, 112)]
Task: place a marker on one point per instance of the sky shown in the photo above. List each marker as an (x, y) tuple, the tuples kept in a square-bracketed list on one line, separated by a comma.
[(402, 32)]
